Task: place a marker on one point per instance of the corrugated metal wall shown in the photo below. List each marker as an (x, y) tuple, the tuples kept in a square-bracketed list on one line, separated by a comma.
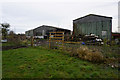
[(38, 31), (94, 27), (29, 33)]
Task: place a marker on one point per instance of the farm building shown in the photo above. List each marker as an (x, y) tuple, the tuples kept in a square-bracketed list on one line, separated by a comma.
[(99, 25), (43, 31), (116, 35)]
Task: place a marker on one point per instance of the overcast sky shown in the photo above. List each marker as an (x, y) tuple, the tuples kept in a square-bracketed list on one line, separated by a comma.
[(23, 15)]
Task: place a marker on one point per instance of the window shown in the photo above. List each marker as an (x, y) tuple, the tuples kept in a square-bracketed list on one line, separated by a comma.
[(104, 33)]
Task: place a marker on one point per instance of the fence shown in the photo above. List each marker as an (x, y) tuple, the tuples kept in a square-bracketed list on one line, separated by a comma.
[(56, 39)]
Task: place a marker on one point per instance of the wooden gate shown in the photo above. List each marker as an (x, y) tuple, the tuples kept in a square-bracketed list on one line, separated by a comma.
[(56, 39)]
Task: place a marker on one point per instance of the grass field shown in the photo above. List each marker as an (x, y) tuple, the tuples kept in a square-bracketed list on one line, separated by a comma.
[(46, 63), (8, 44)]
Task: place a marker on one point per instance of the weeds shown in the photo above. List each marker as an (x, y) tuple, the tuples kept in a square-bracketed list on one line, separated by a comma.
[(86, 54)]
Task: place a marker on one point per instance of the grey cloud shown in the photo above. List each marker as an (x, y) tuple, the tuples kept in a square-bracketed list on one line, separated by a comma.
[(30, 15)]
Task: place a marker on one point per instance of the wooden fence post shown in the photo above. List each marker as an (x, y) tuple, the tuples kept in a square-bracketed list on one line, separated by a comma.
[(63, 40), (31, 41), (49, 40)]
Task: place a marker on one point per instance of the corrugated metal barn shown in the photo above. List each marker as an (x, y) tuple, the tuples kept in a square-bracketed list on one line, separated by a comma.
[(29, 33), (99, 25), (44, 31)]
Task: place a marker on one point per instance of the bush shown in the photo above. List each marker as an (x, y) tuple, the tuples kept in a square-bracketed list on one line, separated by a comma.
[(94, 57), (14, 39), (73, 52), (86, 54), (111, 60), (82, 52)]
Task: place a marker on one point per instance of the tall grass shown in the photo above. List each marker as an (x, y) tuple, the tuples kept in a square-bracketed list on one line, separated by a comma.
[(86, 54)]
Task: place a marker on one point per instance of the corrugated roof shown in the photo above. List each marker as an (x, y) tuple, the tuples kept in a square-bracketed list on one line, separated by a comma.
[(92, 15), (51, 27)]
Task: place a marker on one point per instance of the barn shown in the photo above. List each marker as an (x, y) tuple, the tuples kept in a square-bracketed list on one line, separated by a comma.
[(29, 33), (99, 25), (43, 31)]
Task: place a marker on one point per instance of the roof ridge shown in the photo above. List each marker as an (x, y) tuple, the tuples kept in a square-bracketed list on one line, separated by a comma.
[(92, 15)]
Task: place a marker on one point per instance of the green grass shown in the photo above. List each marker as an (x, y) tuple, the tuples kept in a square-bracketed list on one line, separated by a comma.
[(13, 44), (45, 63), (8, 44)]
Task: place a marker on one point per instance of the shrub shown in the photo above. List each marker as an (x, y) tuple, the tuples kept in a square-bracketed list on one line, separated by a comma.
[(73, 52), (82, 52), (14, 38), (94, 57), (87, 54), (111, 60)]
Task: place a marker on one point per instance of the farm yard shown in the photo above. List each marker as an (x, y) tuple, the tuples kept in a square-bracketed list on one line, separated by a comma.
[(91, 50), (70, 60), (28, 57), (42, 62)]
